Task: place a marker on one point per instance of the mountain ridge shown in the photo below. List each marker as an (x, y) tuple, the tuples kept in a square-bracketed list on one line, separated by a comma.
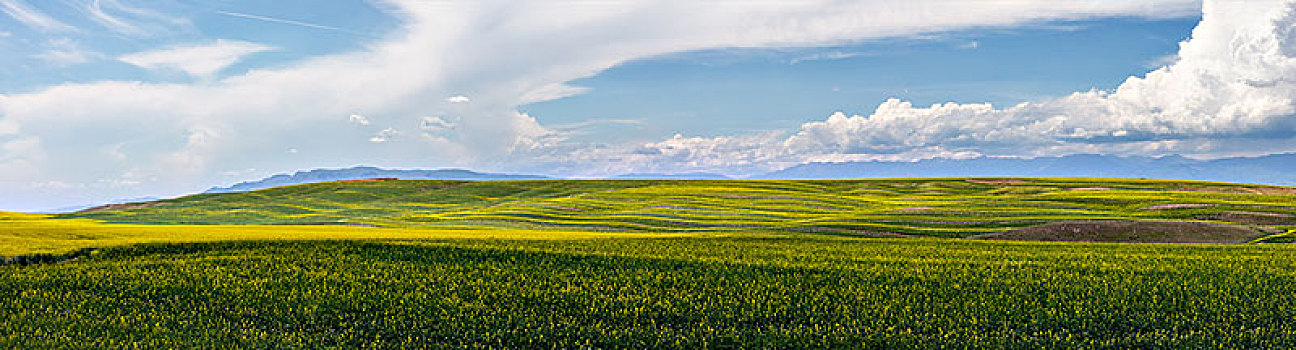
[(367, 172)]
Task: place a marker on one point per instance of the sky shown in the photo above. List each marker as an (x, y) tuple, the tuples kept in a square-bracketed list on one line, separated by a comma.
[(109, 99)]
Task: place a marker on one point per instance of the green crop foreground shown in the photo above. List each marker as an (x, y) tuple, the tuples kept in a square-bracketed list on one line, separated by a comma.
[(721, 292)]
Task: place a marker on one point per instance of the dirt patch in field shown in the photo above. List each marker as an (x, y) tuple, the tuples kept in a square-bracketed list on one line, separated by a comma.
[(376, 179), (1241, 190), (1275, 190), (1177, 206), (124, 206), (1129, 232), (1252, 218)]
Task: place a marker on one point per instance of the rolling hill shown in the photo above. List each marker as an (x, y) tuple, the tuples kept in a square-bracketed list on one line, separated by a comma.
[(662, 264), (988, 208)]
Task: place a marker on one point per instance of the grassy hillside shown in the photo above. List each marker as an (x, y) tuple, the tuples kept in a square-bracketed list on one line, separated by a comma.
[(740, 291), (910, 207), (662, 264), (28, 235)]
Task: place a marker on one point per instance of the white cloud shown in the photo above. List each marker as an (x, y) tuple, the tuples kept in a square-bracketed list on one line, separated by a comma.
[(4, 34), (24, 13), (1234, 80), (435, 124), (1236, 77), (822, 56), (286, 21), (133, 21), (97, 13), (199, 61), (457, 99), (384, 135), (504, 54), (1162, 61), (358, 119)]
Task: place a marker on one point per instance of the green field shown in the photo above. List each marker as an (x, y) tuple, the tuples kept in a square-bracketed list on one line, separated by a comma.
[(904, 207), (662, 264)]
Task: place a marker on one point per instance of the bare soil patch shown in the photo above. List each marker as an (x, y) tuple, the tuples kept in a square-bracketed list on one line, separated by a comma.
[(1177, 206), (1130, 232), (1241, 190), (1252, 218)]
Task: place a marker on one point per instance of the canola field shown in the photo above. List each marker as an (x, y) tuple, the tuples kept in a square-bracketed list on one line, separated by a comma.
[(952, 207), (661, 264), (738, 291)]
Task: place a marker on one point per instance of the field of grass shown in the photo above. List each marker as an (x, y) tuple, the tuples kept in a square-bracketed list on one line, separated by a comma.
[(888, 207), (30, 235), (740, 291), (662, 264)]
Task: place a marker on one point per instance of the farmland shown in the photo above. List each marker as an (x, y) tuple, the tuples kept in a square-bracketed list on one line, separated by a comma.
[(951, 208), (681, 292), (909, 263)]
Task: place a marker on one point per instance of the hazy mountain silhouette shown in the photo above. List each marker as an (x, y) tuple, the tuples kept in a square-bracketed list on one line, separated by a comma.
[(366, 172)]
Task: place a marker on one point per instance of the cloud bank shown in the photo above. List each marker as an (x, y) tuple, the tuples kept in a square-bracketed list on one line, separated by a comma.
[(1231, 89)]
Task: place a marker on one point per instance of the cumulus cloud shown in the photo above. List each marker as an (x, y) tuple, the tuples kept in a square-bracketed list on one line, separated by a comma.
[(384, 135), (199, 61), (358, 119), (457, 99), (435, 124), (503, 55), (1234, 79)]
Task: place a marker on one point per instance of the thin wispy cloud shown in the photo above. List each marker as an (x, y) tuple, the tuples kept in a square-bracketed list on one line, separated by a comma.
[(290, 22), (67, 52), (200, 61), (30, 16), (826, 56)]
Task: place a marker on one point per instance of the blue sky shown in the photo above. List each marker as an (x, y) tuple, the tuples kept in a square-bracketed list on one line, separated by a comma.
[(107, 99), (91, 45), (728, 91)]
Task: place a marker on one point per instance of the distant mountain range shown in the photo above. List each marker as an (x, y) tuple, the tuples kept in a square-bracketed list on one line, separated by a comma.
[(1278, 169), (366, 172)]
